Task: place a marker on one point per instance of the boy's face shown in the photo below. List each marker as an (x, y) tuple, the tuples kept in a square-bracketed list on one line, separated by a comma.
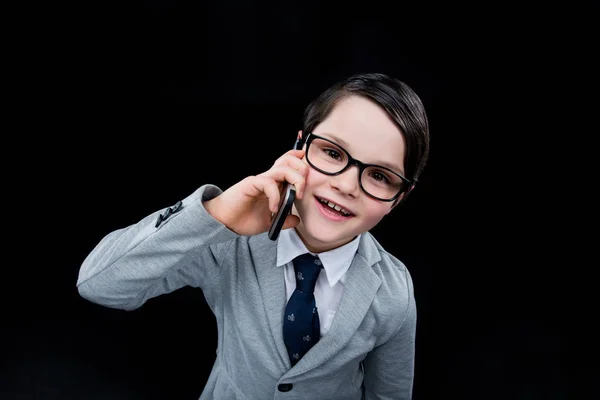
[(369, 135)]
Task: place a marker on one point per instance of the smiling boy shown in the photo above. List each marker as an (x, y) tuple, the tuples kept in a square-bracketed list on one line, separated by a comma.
[(323, 312)]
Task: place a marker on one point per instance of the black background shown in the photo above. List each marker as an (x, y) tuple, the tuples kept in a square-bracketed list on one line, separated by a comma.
[(129, 107)]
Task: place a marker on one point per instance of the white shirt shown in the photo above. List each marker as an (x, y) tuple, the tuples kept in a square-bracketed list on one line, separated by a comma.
[(330, 283)]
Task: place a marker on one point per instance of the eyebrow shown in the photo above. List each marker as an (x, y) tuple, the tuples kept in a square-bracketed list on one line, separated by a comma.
[(392, 166)]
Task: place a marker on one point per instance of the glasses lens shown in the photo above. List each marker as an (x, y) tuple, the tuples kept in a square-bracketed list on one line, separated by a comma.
[(331, 159), (381, 183), (326, 156)]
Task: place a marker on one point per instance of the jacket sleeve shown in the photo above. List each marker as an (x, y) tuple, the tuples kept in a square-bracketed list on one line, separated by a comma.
[(178, 246), (389, 367)]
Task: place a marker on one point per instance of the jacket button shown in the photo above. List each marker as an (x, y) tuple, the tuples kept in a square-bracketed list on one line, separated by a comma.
[(163, 217), (159, 220), (285, 387), (177, 207)]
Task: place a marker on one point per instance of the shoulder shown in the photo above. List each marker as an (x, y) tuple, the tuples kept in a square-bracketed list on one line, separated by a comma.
[(395, 298), (391, 270)]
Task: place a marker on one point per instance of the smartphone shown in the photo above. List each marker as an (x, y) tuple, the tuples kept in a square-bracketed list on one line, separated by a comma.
[(285, 204)]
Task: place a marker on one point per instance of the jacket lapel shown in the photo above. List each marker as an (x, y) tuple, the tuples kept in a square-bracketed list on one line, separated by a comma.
[(360, 288), (272, 285), (359, 291)]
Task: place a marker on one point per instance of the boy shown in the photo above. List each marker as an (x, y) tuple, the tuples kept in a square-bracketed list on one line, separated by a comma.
[(323, 312)]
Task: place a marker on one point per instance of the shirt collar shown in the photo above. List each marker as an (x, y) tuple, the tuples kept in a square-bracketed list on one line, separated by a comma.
[(335, 262)]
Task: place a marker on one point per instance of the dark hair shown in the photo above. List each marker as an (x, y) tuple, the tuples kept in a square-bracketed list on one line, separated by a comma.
[(400, 102)]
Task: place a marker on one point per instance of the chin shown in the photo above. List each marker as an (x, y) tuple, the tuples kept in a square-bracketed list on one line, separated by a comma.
[(321, 236), (316, 229)]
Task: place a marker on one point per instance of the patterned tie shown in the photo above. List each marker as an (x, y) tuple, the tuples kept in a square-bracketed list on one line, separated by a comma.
[(301, 328)]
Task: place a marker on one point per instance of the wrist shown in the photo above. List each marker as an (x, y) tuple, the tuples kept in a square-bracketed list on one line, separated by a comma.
[(212, 207)]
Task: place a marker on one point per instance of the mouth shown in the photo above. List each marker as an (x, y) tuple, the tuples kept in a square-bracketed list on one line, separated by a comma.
[(333, 210)]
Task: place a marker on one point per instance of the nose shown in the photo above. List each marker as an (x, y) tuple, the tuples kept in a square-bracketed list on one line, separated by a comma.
[(347, 181)]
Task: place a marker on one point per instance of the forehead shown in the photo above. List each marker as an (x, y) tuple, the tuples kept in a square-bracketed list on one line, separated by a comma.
[(366, 131)]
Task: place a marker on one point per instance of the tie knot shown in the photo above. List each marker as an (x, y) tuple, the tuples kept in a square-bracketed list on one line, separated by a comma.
[(308, 268)]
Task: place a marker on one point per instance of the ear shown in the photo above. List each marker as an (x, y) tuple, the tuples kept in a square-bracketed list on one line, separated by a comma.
[(396, 202), (402, 197), (300, 137)]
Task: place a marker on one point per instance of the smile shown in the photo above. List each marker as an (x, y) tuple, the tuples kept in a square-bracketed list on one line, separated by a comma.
[(332, 210)]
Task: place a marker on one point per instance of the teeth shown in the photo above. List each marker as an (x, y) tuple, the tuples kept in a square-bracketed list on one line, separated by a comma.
[(334, 206)]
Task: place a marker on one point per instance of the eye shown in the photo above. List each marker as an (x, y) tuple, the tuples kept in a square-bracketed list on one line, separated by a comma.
[(378, 176), (332, 153)]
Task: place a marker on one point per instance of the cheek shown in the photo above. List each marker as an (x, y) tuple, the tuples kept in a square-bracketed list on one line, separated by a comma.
[(374, 211), (314, 179)]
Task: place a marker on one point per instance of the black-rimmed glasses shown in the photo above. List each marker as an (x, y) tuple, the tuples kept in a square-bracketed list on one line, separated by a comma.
[(376, 181)]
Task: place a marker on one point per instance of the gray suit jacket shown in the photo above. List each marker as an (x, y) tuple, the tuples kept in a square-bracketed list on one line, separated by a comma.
[(368, 352)]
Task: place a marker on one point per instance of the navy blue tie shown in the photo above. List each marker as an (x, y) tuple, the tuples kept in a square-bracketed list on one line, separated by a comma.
[(301, 328)]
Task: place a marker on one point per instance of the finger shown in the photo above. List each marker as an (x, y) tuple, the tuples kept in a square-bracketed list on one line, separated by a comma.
[(299, 154), (296, 152), (293, 162), (290, 221), (270, 188), (285, 173)]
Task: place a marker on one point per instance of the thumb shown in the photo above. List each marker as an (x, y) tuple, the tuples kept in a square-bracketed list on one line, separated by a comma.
[(291, 221)]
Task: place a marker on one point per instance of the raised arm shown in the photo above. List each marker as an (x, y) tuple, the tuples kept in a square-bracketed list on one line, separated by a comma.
[(178, 246)]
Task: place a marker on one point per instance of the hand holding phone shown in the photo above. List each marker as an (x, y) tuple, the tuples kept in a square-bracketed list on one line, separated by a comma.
[(285, 204), (263, 203)]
